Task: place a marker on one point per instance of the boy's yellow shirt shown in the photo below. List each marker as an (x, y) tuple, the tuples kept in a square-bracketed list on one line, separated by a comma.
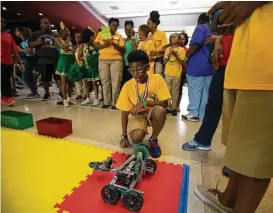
[(157, 91), (172, 67)]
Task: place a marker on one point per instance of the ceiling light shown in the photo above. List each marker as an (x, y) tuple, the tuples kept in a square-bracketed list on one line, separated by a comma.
[(40, 14), (4, 8), (114, 7), (73, 27), (18, 14), (173, 2), (52, 25)]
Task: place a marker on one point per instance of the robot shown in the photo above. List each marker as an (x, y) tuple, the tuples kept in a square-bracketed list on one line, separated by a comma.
[(126, 177)]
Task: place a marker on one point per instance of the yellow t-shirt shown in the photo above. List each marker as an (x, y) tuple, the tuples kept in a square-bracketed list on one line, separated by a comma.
[(160, 39), (148, 46), (250, 65), (173, 68), (110, 52), (157, 91)]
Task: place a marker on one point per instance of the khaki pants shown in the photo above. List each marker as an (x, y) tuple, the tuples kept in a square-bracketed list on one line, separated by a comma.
[(110, 72), (80, 87), (248, 132), (158, 68), (173, 83)]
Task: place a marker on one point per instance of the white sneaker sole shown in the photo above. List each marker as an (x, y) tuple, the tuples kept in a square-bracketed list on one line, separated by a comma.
[(204, 148), (207, 201)]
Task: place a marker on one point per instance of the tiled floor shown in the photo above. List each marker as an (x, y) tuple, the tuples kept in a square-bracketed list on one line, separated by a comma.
[(102, 128)]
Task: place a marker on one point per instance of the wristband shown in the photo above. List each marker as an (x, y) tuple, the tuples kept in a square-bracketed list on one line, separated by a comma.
[(124, 136)]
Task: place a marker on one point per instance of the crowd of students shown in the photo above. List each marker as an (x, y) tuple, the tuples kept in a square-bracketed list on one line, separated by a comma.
[(92, 62)]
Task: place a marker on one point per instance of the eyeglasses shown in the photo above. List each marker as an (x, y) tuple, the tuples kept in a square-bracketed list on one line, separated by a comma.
[(138, 70)]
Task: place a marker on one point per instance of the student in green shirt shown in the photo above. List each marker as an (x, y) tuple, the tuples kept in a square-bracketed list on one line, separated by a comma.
[(130, 44)]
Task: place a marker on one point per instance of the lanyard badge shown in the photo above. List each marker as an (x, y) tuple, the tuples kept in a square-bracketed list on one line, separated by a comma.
[(143, 100)]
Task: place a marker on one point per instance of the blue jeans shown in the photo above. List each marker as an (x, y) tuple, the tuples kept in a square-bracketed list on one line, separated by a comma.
[(198, 89), (27, 75)]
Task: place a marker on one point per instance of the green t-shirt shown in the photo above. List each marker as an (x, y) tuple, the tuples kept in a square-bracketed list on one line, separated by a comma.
[(128, 45)]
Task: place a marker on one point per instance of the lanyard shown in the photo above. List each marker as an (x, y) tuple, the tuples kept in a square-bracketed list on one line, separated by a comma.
[(145, 91)]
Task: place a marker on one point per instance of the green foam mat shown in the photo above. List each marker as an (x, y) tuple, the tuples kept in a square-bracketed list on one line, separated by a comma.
[(16, 120)]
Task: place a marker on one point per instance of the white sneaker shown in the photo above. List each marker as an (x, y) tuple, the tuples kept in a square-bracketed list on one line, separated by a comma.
[(96, 102), (66, 103), (72, 101), (86, 101), (190, 117), (211, 197)]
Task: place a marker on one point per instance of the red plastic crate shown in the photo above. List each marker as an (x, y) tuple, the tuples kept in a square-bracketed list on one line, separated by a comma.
[(54, 127)]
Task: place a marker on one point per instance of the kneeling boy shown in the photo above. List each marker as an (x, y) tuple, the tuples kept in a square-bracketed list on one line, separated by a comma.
[(142, 101)]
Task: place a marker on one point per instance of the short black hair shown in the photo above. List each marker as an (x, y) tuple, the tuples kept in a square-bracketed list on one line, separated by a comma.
[(186, 37), (87, 33), (129, 22), (154, 17), (42, 19), (203, 18), (138, 56), (145, 29), (113, 20)]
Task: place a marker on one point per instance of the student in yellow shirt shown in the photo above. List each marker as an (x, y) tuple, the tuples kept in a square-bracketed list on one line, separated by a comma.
[(173, 60), (142, 101), (247, 109), (160, 39), (147, 45), (110, 63)]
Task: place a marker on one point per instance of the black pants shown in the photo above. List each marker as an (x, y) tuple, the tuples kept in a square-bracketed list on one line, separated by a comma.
[(47, 70), (213, 108), (6, 71)]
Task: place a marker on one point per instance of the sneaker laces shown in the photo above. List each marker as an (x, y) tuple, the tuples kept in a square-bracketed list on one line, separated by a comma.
[(215, 191)]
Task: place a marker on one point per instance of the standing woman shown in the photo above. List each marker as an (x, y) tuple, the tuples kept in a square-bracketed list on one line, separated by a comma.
[(184, 40), (89, 57), (80, 85), (160, 39), (64, 63), (110, 63)]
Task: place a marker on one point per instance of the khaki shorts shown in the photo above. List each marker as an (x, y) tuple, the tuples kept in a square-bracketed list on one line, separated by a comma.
[(248, 132), (140, 121)]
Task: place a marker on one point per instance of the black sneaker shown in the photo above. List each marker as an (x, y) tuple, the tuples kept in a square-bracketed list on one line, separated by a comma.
[(104, 106), (174, 113), (226, 171), (114, 108), (46, 97)]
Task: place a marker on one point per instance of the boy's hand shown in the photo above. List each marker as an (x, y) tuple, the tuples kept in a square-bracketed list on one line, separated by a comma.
[(212, 39), (217, 54), (153, 53), (137, 108), (109, 42), (124, 143)]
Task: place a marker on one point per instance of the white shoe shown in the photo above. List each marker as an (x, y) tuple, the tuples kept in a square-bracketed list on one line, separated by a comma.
[(66, 103), (86, 101), (96, 102), (190, 117), (72, 101)]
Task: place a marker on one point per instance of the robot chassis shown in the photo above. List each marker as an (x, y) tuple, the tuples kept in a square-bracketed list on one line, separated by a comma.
[(126, 177)]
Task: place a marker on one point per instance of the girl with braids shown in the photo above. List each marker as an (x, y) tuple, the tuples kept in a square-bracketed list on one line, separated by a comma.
[(160, 39), (89, 57), (79, 83), (64, 63)]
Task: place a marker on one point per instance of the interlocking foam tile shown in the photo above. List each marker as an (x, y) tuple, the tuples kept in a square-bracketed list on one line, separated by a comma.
[(161, 191), (38, 171)]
